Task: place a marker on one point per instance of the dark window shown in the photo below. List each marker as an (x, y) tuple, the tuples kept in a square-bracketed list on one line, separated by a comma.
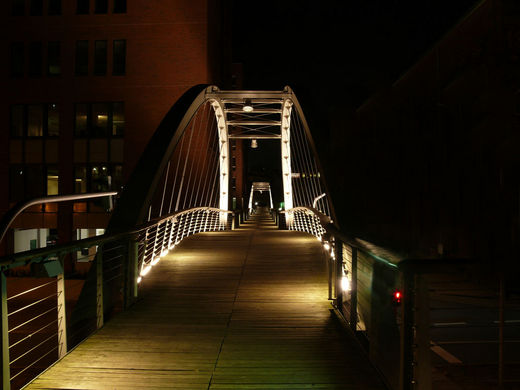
[(53, 120), (100, 58), (99, 119), (53, 58), (82, 7), (16, 182), (81, 120), (35, 120), (118, 118), (81, 58), (35, 59), (119, 6), (36, 7), (17, 59), (18, 7), (101, 7), (35, 181), (119, 57), (17, 120), (54, 7)]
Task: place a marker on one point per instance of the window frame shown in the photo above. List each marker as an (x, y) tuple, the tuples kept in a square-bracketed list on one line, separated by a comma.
[(25, 121)]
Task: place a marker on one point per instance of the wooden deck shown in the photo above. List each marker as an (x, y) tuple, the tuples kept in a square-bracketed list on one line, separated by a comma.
[(245, 309)]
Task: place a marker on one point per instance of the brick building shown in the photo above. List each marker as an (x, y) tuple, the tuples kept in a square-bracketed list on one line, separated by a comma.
[(85, 84)]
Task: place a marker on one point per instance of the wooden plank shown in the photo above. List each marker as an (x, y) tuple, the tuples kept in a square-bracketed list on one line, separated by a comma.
[(245, 309)]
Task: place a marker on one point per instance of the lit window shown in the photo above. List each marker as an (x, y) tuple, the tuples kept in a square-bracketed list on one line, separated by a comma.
[(17, 59), (119, 63), (81, 120), (101, 7), (119, 6), (35, 120), (81, 58), (100, 58), (82, 7), (35, 59), (52, 181), (54, 7), (53, 58), (118, 118), (80, 180), (99, 119)]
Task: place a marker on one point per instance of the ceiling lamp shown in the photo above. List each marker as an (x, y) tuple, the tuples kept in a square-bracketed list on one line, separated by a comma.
[(248, 106), (254, 144)]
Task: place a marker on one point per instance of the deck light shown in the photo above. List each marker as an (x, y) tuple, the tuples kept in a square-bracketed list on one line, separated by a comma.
[(345, 283), (248, 106), (145, 270)]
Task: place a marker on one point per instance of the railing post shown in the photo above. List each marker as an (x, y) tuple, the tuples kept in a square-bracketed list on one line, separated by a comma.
[(6, 372), (338, 275), (354, 291), (423, 369), (131, 272), (62, 317), (99, 287), (407, 330)]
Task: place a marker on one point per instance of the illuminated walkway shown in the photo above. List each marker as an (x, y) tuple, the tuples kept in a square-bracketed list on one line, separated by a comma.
[(243, 309)]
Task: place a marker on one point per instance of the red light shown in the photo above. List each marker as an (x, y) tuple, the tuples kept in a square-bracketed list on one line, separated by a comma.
[(397, 297)]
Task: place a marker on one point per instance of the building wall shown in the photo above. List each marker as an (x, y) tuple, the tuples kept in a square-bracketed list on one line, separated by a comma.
[(430, 165), (166, 53)]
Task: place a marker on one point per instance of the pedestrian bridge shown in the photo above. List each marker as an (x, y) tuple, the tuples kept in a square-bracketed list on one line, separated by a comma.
[(184, 291)]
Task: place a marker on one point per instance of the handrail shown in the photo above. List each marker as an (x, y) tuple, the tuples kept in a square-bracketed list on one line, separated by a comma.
[(11, 214), (6, 261)]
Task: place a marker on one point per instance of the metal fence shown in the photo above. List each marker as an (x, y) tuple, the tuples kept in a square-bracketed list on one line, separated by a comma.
[(46, 306), (424, 323)]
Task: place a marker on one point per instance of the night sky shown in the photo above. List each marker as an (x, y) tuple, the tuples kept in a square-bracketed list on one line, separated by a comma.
[(333, 54)]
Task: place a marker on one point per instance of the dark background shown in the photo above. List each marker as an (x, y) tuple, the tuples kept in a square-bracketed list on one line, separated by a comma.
[(336, 56)]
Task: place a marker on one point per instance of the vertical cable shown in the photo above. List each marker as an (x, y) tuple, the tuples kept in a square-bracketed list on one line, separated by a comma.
[(184, 169), (176, 170), (189, 191)]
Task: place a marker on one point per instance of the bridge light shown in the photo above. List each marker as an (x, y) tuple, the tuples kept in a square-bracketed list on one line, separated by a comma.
[(326, 245), (248, 106), (254, 144), (139, 279)]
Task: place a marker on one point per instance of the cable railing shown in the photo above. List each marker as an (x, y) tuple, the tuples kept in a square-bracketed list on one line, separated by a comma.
[(38, 327), (424, 323)]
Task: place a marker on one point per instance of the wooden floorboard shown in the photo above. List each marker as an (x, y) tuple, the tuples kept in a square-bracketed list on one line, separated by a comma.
[(234, 310)]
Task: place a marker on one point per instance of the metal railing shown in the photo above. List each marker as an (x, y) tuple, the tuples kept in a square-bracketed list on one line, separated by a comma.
[(39, 287), (424, 323)]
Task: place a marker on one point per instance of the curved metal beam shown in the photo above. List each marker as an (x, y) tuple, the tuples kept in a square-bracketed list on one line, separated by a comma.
[(132, 207), (223, 138), (299, 110), (286, 154), (11, 214)]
